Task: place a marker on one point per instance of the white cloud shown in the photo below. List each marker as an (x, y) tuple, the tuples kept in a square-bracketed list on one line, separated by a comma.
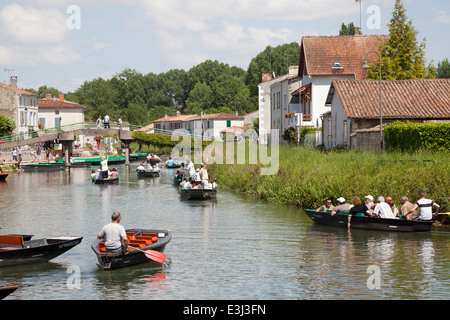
[(31, 26), (32, 37), (441, 16)]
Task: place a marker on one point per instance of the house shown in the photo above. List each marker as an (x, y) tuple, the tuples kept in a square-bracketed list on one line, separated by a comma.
[(211, 125), (147, 129), (57, 112), (354, 119), (324, 58), (19, 105), (276, 99), (168, 124)]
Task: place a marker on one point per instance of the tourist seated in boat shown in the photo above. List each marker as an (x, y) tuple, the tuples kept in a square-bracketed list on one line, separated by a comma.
[(407, 209), (327, 206), (359, 208), (116, 240), (394, 209), (141, 166), (197, 185), (114, 174), (341, 207), (425, 207), (179, 175), (369, 203), (183, 182), (94, 175), (169, 162), (383, 210), (189, 184)]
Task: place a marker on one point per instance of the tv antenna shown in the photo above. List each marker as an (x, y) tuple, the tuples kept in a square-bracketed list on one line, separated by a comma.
[(360, 13), (9, 72)]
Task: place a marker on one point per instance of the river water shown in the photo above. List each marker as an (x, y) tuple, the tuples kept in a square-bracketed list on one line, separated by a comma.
[(234, 247)]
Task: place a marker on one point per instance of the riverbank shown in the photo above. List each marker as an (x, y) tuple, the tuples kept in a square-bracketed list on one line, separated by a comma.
[(307, 176)]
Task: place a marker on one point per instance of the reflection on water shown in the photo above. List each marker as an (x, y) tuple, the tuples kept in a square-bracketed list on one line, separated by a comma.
[(234, 247)]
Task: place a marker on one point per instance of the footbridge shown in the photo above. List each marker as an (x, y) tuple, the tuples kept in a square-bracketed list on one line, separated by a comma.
[(66, 135)]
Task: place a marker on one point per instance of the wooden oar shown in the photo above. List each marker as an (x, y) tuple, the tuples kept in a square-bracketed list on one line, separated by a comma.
[(152, 254)]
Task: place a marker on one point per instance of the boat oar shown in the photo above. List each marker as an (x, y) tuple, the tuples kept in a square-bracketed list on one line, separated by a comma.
[(152, 254)]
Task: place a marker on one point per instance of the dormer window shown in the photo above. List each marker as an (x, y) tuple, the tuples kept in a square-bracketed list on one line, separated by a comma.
[(337, 65)]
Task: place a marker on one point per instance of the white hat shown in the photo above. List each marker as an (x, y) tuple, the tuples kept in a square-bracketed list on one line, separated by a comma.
[(380, 199), (369, 197), (341, 200)]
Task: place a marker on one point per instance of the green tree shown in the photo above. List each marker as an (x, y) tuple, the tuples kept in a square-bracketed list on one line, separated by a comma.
[(443, 69), (402, 56), (200, 99), (347, 30), (7, 125), (272, 59)]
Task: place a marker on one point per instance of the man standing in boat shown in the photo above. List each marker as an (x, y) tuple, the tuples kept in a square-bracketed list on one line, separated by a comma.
[(116, 240)]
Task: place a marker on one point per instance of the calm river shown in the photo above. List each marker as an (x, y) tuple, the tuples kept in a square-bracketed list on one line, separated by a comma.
[(233, 248)]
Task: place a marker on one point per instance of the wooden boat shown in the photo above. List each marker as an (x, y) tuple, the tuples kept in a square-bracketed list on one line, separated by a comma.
[(369, 223), (6, 291), (198, 194), (142, 239), (173, 166), (3, 176), (138, 156), (105, 181), (41, 167), (147, 174), (21, 249)]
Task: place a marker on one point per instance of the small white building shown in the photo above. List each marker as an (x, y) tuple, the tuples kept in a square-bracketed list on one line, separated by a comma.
[(211, 125), (57, 112)]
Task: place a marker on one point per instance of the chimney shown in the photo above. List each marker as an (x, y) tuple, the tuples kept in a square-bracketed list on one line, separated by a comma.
[(177, 113), (61, 97), (357, 31), (48, 95), (13, 82), (293, 71), (267, 76)]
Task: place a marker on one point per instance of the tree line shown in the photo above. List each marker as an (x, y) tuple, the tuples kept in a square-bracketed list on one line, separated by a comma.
[(210, 86)]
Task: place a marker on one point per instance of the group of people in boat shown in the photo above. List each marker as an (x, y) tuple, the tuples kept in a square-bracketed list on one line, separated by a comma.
[(198, 178), (151, 165), (384, 208), (104, 173)]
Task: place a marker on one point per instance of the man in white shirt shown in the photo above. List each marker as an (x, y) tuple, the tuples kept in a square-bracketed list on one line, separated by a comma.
[(116, 240), (106, 122), (383, 210), (425, 207)]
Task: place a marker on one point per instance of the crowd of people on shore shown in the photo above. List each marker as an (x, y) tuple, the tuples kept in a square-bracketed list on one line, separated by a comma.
[(421, 210)]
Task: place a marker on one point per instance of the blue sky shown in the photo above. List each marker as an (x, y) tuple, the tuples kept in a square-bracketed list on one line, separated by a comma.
[(48, 42)]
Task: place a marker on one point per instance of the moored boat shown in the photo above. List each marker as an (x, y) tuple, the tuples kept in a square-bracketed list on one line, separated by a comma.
[(368, 223), (41, 167), (140, 240), (3, 176), (6, 291), (198, 194), (18, 249)]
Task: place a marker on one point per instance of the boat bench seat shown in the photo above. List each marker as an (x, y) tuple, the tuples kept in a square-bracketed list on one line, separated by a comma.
[(11, 240)]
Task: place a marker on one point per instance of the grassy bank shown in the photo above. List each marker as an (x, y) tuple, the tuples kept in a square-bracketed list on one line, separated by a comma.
[(306, 176)]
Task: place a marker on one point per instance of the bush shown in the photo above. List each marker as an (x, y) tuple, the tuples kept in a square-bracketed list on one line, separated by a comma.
[(414, 136)]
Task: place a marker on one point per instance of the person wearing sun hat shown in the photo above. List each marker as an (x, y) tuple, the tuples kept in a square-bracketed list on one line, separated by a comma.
[(369, 203), (342, 206)]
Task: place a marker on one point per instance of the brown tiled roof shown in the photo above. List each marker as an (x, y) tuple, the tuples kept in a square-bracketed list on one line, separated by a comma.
[(219, 115), (403, 99), (20, 91), (57, 104), (319, 53), (176, 118)]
